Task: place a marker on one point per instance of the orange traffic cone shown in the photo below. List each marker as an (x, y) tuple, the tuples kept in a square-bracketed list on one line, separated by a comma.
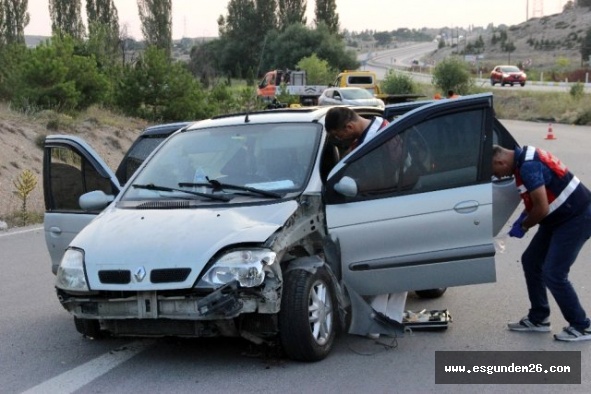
[(550, 135)]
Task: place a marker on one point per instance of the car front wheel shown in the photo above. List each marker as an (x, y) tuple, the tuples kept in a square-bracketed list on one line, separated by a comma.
[(492, 82), (307, 321)]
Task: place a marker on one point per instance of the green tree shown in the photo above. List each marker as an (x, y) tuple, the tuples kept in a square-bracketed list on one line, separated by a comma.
[(157, 89), (318, 71), (202, 62), (11, 58), (66, 18), (103, 31), (2, 26), (290, 12), (326, 12), (452, 73), (383, 38), (156, 18), (53, 76), (286, 49), (14, 20), (586, 47), (243, 33)]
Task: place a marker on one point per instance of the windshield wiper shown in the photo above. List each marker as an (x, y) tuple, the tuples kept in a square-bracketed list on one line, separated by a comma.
[(217, 185), (151, 186)]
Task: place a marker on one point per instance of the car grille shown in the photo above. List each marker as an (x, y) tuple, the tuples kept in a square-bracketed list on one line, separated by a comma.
[(118, 277), (123, 277), (169, 275)]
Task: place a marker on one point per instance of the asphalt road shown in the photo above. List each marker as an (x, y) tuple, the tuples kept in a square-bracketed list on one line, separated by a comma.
[(401, 59), (42, 353)]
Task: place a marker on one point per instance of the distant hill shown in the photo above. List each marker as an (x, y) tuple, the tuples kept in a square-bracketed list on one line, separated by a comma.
[(33, 41), (539, 42)]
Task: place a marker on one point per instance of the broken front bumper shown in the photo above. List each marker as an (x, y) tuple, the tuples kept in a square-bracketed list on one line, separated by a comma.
[(226, 302)]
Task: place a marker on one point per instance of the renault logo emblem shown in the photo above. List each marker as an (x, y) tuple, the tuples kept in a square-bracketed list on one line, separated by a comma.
[(140, 274)]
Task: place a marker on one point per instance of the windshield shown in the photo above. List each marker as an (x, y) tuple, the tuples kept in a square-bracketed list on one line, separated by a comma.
[(511, 69), (262, 157), (356, 94)]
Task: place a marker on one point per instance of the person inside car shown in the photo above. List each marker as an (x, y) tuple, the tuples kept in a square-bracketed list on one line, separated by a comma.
[(352, 130)]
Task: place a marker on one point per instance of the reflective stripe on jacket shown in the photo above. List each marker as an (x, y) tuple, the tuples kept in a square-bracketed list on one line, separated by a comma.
[(567, 196)]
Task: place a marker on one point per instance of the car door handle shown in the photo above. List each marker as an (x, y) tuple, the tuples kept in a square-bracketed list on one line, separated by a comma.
[(55, 231), (466, 206)]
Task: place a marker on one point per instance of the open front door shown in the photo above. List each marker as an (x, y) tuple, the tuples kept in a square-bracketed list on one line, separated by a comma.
[(412, 209), (70, 169)]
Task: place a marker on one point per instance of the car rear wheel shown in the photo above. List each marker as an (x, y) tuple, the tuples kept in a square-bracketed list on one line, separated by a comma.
[(431, 293), (307, 321), (492, 82), (89, 328)]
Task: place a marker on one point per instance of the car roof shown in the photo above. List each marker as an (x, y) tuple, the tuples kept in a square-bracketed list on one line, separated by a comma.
[(284, 115)]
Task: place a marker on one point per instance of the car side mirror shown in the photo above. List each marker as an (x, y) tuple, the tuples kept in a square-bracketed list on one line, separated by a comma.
[(338, 98), (346, 186), (96, 200)]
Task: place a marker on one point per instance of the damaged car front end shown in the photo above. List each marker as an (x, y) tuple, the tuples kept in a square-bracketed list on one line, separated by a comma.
[(208, 240)]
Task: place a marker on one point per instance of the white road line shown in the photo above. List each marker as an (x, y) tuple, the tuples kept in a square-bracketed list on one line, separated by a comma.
[(74, 379), (21, 231)]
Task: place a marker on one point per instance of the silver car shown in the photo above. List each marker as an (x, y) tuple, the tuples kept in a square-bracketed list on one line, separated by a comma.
[(349, 96), (253, 225)]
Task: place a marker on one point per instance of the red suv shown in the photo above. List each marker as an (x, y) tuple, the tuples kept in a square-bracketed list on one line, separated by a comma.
[(507, 75)]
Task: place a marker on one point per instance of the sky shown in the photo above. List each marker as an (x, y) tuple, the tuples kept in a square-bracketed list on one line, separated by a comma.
[(198, 18)]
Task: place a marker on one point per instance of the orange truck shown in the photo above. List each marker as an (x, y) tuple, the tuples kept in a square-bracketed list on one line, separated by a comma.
[(291, 82)]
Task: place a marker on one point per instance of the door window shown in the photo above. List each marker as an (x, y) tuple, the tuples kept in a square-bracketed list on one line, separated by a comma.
[(439, 153), (70, 176)]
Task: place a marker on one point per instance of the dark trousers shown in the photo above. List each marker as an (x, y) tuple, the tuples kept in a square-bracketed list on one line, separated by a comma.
[(546, 264)]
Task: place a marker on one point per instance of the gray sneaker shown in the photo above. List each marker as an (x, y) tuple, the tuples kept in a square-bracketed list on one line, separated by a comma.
[(571, 334), (528, 326)]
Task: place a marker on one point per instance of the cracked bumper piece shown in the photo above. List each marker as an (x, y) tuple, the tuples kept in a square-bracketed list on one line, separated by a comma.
[(221, 304)]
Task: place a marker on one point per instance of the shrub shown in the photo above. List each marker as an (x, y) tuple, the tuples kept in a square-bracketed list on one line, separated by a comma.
[(398, 83), (157, 89), (25, 184), (577, 91), (452, 73)]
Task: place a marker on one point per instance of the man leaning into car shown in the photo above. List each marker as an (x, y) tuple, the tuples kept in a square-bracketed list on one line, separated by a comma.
[(351, 130)]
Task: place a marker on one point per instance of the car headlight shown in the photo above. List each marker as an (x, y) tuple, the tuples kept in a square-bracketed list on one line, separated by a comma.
[(70, 273), (245, 266)]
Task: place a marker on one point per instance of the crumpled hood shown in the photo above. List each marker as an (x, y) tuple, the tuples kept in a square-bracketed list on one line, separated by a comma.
[(132, 240)]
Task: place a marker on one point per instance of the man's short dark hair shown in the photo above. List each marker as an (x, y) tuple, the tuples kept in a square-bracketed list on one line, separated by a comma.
[(338, 117)]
